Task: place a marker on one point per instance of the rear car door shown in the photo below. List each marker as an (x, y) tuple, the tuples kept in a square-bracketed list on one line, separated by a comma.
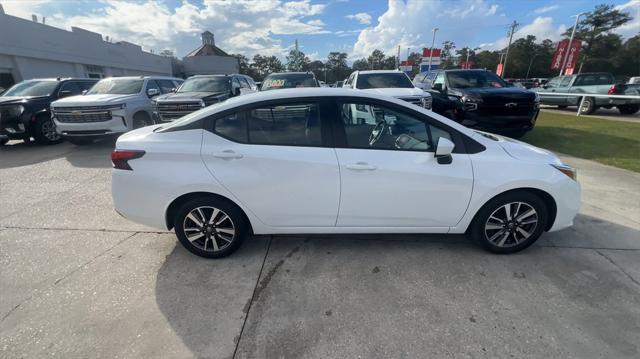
[(275, 159), (396, 181)]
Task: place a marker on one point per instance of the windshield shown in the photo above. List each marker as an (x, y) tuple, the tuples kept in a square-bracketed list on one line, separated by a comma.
[(388, 80), (116, 87), (474, 79), (285, 81), (206, 84), (32, 88)]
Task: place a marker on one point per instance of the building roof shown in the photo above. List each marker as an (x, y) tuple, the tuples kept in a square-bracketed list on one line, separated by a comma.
[(208, 47)]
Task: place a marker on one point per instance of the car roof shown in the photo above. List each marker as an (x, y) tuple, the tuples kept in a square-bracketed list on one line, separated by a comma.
[(293, 73), (141, 78), (380, 72), (62, 79)]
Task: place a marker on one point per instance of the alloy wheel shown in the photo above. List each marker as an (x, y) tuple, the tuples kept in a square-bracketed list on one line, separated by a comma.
[(209, 229), (511, 224), (48, 129)]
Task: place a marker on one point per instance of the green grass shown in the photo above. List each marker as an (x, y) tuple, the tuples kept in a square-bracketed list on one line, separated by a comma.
[(614, 143)]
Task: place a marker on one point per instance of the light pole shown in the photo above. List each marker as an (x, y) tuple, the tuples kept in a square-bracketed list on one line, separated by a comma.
[(529, 68), (433, 41), (566, 53)]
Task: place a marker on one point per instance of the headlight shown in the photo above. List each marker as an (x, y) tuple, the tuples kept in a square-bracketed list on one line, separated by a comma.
[(15, 111), (119, 106), (567, 170), (470, 102)]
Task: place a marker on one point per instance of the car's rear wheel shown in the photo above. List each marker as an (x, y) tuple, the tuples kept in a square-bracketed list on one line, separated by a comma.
[(44, 131), (141, 119), (628, 109), (510, 222), (210, 228)]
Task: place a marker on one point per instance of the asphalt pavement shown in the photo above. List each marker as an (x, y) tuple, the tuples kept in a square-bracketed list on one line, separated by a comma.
[(79, 281)]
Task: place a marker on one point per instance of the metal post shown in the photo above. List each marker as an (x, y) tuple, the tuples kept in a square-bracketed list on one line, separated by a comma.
[(529, 68), (433, 41), (566, 53), (580, 106), (506, 55)]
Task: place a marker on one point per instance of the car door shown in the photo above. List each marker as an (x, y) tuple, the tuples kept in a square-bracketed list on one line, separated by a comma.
[(275, 160), (389, 175), (564, 86)]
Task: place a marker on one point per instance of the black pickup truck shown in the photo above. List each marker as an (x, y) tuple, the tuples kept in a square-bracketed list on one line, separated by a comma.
[(24, 108), (481, 99)]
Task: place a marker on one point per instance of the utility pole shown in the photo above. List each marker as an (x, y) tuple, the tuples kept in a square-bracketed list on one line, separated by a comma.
[(514, 25), (566, 53), (433, 40), (398, 58), (530, 63)]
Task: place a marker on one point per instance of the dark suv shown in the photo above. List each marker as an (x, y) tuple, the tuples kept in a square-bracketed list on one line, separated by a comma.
[(285, 80), (481, 99), (24, 108), (200, 91)]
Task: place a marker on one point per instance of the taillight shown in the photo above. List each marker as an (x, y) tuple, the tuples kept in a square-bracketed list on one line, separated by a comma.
[(120, 158), (612, 90)]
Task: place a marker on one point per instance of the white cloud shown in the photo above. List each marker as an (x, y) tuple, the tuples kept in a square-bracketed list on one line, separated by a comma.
[(541, 27), (361, 17), (632, 28), (240, 26), (409, 24), (546, 9)]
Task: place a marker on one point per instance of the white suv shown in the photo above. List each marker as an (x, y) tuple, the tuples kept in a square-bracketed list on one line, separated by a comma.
[(392, 83), (111, 107)]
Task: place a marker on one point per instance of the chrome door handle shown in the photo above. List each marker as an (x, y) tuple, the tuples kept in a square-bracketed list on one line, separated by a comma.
[(227, 154), (361, 166)]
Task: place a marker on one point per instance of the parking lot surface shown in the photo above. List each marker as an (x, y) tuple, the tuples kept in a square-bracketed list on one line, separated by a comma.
[(78, 281)]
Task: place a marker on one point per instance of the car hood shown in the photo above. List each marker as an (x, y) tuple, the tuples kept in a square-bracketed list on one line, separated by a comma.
[(498, 94), (398, 92), (179, 96), (93, 100), (524, 151), (11, 100)]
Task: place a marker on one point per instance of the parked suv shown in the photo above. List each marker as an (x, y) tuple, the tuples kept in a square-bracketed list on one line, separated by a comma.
[(285, 80), (112, 107), (24, 108), (201, 91), (481, 99), (390, 83)]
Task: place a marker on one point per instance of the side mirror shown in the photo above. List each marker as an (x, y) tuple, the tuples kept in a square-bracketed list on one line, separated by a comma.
[(437, 87), (153, 92), (236, 91), (84, 92), (444, 150), (65, 93), (174, 89)]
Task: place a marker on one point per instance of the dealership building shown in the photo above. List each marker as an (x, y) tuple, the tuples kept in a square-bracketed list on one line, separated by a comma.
[(30, 49)]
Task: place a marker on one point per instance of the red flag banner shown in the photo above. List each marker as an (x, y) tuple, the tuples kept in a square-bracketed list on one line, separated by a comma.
[(406, 63), (499, 70), (558, 56), (574, 51), (427, 52), (466, 64)]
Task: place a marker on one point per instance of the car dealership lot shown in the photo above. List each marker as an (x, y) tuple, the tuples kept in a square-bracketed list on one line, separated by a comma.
[(77, 280)]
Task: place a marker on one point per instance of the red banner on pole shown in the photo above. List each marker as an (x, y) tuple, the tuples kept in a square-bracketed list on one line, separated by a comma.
[(558, 56), (427, 52), (574, 51), (466, 64), (499, 70)]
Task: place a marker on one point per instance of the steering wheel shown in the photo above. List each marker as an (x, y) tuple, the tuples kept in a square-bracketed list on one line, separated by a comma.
[(377, 132)]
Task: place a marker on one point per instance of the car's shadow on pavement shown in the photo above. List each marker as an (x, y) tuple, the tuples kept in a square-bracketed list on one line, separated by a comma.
[(375, 280), (95, 155)]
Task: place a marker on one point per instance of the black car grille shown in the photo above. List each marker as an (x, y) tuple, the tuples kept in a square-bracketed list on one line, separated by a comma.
[(82, 114), (508, 109), (170, 111)]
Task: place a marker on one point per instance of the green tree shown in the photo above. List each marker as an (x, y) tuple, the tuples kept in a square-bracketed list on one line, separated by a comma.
[(297, 61), (446, 56), (265, 65), (361, 65), (376, 60), (416, 58), (317, 67), (337, 67)]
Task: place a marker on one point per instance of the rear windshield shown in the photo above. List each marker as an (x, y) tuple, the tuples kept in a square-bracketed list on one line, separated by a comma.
[(389, 80), (32, 88), (206, 84), (116, 87), (284, 81), (474, 79)]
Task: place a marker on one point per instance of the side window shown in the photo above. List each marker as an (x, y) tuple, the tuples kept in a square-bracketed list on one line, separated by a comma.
[(86, 85), (375, 126), (290, 124), (439, 79), (151, 84), (72, 87), (233, 127), (244, 83), (554, 82), (165, 85)]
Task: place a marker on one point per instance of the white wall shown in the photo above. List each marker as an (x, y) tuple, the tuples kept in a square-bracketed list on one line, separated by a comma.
[(37, 50)]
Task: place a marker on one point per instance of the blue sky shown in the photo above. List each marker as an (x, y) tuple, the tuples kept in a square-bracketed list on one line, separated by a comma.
[(353, 26)]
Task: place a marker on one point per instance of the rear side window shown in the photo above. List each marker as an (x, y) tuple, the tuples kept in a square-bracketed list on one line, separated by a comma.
[(165, 85), (232, 127), (72, 87), (290, 124)]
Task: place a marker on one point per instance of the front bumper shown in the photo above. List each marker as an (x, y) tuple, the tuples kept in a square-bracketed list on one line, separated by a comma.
[(495, 123), (14, 127), (567, 198), (118, 123)]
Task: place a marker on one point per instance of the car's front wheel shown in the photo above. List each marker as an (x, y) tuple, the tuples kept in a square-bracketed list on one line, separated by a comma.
[(210, 227), (510, 222), (44, 131)]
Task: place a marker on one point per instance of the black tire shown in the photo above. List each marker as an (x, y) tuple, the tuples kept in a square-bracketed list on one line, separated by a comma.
[(80, 141), (236, 220), (628, 109), (3, 141), (588, 106), (481, 234), (44, 131), (562, 107), (141, 119)]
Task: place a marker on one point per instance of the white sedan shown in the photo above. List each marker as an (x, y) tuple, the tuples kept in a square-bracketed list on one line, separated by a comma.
[(313, 161)]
